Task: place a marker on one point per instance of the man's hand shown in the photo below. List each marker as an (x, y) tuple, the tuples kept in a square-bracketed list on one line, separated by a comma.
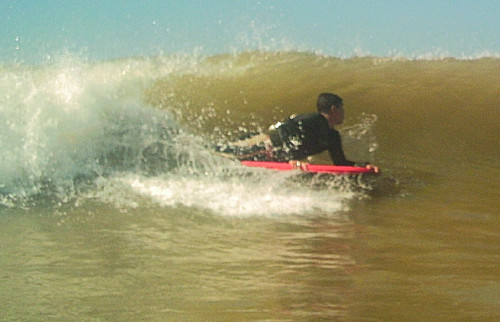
[(373, 168)]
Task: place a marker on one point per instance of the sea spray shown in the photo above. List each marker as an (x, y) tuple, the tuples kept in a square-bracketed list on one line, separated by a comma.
[(71, 121)]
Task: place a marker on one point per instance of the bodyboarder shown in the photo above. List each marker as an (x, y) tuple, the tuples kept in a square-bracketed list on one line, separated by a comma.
[(299, 137)]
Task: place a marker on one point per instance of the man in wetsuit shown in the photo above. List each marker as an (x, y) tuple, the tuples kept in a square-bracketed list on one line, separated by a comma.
[(301, 136)]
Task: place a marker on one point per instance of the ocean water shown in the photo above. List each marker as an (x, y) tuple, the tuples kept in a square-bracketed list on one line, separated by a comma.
[(114, 207)]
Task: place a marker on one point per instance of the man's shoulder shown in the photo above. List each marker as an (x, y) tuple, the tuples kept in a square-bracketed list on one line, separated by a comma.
[(312, 117)]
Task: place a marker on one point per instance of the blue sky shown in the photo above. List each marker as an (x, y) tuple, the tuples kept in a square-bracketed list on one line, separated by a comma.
[(32, 31)]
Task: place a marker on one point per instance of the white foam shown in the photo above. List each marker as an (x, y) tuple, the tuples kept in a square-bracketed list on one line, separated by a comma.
[(263, 193)]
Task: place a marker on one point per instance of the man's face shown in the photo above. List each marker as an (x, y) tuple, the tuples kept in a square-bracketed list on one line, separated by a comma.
[(336, 115)]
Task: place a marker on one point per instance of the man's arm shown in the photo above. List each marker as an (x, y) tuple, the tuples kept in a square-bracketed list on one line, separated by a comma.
[(336, 151)]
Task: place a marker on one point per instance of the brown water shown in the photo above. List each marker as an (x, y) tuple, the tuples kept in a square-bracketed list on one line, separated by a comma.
[(209, 241)]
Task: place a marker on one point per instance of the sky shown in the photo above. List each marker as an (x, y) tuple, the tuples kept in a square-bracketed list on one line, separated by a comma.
[(34, 31)]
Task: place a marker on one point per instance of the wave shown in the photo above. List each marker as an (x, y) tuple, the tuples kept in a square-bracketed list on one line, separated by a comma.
[(70, 127), (76, 128), (412, 98)]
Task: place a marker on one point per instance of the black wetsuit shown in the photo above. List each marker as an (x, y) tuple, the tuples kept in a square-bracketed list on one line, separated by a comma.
[(296, 138), (305, 135)]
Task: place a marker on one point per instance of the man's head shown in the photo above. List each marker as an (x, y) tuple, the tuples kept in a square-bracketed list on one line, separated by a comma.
[(326, 101), (332, 107)]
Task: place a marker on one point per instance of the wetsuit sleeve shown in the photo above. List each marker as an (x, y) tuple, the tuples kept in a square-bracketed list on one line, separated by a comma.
[(336, 151)]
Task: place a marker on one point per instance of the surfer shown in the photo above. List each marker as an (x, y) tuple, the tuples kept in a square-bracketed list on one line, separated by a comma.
[(299, 136)]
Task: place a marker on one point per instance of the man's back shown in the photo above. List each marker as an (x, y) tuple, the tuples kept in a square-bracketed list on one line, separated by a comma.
[(304, 135)]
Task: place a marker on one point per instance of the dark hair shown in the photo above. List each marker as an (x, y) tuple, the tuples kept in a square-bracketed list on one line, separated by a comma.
[(326, 100)]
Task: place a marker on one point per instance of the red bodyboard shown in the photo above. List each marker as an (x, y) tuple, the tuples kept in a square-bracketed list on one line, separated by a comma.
[(306, 167)]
